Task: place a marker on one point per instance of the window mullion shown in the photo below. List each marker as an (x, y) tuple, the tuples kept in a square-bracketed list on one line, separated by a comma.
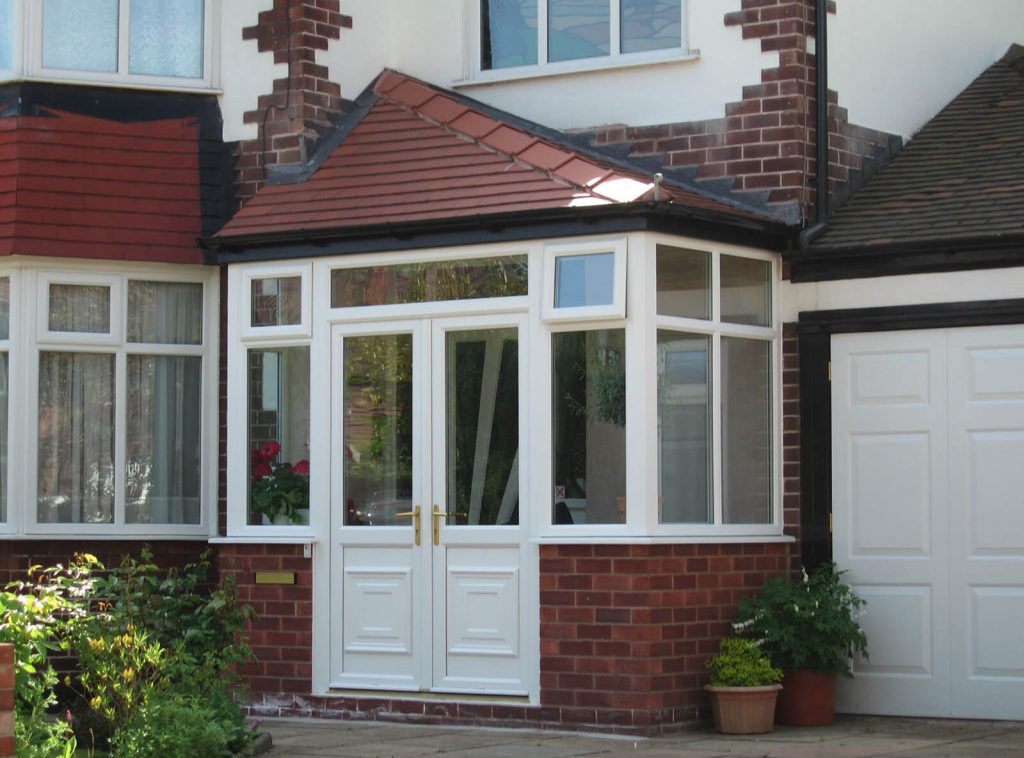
[(542, 31), (123, 36), (717, 446), (614, 32)]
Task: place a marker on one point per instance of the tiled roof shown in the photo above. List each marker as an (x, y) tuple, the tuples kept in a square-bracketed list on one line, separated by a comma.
[(962, 176), (83, 187), (419, 153)]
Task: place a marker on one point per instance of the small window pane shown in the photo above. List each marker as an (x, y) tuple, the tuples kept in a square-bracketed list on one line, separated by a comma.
[(746, 431), (163, 439), (684, 283), (582, 280), (80, 308), (6, 33), (684, 428), (165, 313), (589, 406), (650, 25), (277, 301), (578, 29), (279, 436), (76, 438), (166, 38), (80, 34), (746, 291), (508, 33), (5, 308), (429, 282), (4, 410)]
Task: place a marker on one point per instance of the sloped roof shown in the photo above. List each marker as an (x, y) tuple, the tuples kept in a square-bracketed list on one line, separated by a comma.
[(83, 187), (961, 176), (413, 152)]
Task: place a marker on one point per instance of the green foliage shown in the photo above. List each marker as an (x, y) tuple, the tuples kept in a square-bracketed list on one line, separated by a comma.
[(809, 623), (742, 663)]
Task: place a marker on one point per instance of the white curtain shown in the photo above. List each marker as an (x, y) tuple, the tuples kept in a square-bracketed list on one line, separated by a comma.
[(81, 308), (6, 33), (166, 38), (80, 35)]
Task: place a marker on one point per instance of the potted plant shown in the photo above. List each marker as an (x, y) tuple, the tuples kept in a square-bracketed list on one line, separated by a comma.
[(808, 627), (744, 686), (279, 490)]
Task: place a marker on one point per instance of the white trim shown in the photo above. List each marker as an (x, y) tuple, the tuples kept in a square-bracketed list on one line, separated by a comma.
[(553, 253)]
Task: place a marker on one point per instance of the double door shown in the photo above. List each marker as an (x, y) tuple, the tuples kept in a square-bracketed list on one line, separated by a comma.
[(427, 585)]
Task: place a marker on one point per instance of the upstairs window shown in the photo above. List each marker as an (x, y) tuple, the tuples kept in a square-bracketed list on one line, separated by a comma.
[(517, 33), (6, 34)]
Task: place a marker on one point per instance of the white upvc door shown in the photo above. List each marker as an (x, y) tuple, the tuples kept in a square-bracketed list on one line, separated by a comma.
[(427, 585), (928, 517)]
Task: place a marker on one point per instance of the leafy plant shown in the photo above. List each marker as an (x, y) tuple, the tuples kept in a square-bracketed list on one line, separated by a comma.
[(806, 623), (742, 663), (278, 488)]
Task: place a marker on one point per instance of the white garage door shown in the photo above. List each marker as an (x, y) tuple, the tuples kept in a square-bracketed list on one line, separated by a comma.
[(928, 517)]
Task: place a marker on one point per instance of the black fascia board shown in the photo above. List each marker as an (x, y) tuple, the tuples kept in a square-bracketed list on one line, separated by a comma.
[(832, 262), (546, 224)]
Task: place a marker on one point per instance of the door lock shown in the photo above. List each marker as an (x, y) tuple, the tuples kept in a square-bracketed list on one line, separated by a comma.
[(438, 515), (415, 513)]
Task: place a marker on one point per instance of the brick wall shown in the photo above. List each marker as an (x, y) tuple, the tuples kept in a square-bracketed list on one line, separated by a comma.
[(6, 701), (304, 104)]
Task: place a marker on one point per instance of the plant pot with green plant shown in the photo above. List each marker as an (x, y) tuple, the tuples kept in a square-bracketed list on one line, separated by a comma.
[(279, 491), (808, 628), (743, 689)]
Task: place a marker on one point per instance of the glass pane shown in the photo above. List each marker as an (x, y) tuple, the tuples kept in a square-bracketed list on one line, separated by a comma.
[(429, 282), (76, 438), (508, 33), (746, 431), (279, 435), (277, 301), (482, 381), (684, 428), (79, 308), (684, 283), (165, 313), (578, 29), (6, 33), (5, 308), (80, 34), (166, 38), (589, 406), (746, 291), (4, 442), (377, 430), (582, 280), (650, 25), (163, 439)]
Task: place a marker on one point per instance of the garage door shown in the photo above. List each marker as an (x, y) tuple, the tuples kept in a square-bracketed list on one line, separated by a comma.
[(928, 517)]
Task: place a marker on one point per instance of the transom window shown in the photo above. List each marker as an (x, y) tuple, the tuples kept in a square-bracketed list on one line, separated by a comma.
[(516, 33)]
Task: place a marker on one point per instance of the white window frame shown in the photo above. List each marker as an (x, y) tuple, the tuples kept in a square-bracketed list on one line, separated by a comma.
[(301, 330), (10, 524), (31, 22), (474, 71), (616, 309), (24, 419)]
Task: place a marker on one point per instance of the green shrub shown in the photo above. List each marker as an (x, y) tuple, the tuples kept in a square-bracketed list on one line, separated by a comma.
[(742, 663)]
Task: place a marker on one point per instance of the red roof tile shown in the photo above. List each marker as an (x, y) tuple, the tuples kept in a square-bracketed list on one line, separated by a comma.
[(82, 187)]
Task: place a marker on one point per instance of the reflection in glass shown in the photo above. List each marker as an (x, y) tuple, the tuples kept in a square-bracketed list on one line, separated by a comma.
[(279, 435), (80, 35), (276, 301), (582, 280), (163, 439), (578, 29), (589, 426), (684, 428), (377, 429), (482, 381), (508, 33), (79, 308), (746, 431), (166, 38), (169, 313), (650, 25), (76, 438), (429, 282), (684, 282), (746, 291)]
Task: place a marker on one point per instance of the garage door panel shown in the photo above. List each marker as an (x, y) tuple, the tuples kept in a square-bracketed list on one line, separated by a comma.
[(994, 505), (996, 622), (889, 378), (995, 374), (898, 623)]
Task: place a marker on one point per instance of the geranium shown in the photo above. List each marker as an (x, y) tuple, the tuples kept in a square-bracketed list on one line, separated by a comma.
[(278, 488)]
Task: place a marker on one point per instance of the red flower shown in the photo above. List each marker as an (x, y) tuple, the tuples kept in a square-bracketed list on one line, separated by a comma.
[(270, 450), (301, 467), (261, 469)]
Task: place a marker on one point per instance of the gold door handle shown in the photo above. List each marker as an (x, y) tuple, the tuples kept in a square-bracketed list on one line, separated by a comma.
[(438, 515), (415, 513)]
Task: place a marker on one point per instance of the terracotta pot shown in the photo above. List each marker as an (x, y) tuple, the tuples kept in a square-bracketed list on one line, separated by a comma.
[(743, 710), (808, 698)]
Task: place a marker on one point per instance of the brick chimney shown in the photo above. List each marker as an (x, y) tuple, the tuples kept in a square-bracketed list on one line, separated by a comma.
[(305, 104)]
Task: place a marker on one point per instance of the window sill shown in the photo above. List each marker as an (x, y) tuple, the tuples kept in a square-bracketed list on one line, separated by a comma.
[(104, 537), (631, 539), (7, 77), (566, 68), (270, 539)]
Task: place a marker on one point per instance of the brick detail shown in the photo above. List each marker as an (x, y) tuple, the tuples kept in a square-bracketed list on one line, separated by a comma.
[(304, 104), (6, 700), (765, 141)]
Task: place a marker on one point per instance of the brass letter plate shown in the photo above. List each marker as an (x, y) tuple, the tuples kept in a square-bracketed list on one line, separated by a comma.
[(275, 577)]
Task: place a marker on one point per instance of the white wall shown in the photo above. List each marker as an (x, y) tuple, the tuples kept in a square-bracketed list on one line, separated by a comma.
[(245, 73), (896, 63)]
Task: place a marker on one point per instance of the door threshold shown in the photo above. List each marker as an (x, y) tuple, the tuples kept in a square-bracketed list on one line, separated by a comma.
[(462, 697)]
